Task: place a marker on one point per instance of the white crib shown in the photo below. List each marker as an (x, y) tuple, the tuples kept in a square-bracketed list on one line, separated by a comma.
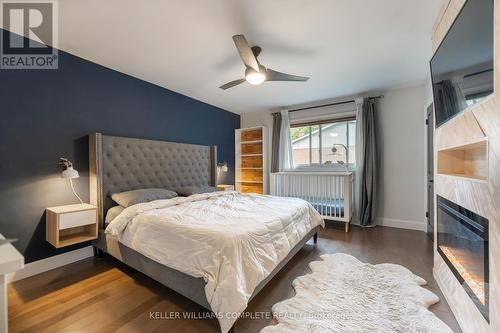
[(330, 193)]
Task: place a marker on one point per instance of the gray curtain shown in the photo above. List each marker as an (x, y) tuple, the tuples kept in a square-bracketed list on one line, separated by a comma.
[(275, 153), (448, 100), (367, 164)]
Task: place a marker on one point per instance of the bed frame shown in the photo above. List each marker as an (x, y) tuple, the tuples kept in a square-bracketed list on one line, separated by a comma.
[(118, 164)]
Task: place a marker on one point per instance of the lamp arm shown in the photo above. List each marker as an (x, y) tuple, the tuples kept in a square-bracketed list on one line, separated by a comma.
[(74, 192)]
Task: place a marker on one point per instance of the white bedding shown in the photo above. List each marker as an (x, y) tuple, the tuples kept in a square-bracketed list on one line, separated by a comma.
[(232, 240)]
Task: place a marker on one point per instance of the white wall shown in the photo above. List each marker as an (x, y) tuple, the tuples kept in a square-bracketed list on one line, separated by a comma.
[(257, 119), (402, 141)]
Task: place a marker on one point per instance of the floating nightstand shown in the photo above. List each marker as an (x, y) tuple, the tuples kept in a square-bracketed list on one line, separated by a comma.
[(222, 187), (71, 224)]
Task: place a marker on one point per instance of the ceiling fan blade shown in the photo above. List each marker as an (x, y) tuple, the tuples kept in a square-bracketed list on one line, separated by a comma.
[(232, 84), (278, 76), (246, 53)]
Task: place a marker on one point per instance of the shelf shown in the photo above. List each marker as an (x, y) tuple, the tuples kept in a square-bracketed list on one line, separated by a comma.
[(254, 134), (469, 161), (250, 181), (250, 188), (464, 177), (478, 142), (75, 238), (250, 142), (252, 162), (251, 149)]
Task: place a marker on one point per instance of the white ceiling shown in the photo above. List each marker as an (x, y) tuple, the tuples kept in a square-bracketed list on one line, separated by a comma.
[(345, 46)]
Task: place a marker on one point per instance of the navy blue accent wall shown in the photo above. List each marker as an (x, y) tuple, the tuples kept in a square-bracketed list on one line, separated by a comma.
[(47, 114)]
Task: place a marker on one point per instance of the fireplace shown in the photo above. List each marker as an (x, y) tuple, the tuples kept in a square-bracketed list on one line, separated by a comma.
[(462, 241)]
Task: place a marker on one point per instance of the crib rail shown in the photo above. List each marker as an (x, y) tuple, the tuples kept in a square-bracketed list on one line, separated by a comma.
[(330, 193)]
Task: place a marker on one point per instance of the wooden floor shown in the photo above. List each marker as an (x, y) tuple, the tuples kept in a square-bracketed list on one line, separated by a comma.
[(102, 295)]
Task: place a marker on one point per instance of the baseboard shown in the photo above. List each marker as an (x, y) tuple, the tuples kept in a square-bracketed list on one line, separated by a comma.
[(44, 265), (402, 224)]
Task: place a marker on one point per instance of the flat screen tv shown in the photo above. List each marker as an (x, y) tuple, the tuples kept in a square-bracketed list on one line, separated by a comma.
[(462, 67)]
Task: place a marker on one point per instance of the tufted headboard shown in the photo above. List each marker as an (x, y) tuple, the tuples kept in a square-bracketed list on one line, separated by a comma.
[(119, 164)]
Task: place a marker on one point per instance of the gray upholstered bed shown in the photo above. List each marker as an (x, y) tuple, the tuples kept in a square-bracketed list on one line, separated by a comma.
[(120, 164)]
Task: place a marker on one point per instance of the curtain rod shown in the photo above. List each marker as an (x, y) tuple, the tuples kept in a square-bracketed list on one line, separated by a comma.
[(332, 104)]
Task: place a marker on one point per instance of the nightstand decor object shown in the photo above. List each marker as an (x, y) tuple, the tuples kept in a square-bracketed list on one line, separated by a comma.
[(70, 173), (71, 224), (222, 166)]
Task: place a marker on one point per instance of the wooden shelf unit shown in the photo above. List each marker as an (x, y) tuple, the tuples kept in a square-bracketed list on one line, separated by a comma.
[(468, 160), (252, 172)]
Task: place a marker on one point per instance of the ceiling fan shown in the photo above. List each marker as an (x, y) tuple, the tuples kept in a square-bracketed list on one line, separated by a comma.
[(255, 73)]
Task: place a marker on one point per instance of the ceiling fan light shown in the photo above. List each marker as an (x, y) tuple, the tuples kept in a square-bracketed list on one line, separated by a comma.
[(255, 78)]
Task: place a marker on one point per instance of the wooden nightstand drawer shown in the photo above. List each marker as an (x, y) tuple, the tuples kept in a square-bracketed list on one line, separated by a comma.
[(76, 219)]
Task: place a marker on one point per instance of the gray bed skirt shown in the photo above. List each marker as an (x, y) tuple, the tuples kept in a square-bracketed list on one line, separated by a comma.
[(184, 284)]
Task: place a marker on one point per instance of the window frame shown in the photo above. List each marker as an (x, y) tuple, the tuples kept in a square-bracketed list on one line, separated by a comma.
[(320, 165)]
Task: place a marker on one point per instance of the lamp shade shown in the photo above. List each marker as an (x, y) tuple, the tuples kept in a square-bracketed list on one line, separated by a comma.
[(70, 173), (222, 166)]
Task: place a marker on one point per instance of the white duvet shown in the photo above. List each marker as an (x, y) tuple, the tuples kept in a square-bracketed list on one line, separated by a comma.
[(232, 240)]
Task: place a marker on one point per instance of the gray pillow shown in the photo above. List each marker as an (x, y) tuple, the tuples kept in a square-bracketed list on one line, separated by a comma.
[(129, 198), (189, 190)]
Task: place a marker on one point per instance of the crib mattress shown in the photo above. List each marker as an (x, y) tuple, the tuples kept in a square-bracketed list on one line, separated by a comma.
[(328, 207)]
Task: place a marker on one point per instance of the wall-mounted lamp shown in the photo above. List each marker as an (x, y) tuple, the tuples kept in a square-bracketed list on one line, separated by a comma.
[(222, 166), (70, 173)]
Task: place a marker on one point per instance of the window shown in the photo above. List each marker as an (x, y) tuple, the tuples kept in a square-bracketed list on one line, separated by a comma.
[(324, 144)]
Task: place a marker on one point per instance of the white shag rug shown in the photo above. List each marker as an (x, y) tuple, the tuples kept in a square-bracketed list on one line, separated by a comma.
[(342, 294)]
